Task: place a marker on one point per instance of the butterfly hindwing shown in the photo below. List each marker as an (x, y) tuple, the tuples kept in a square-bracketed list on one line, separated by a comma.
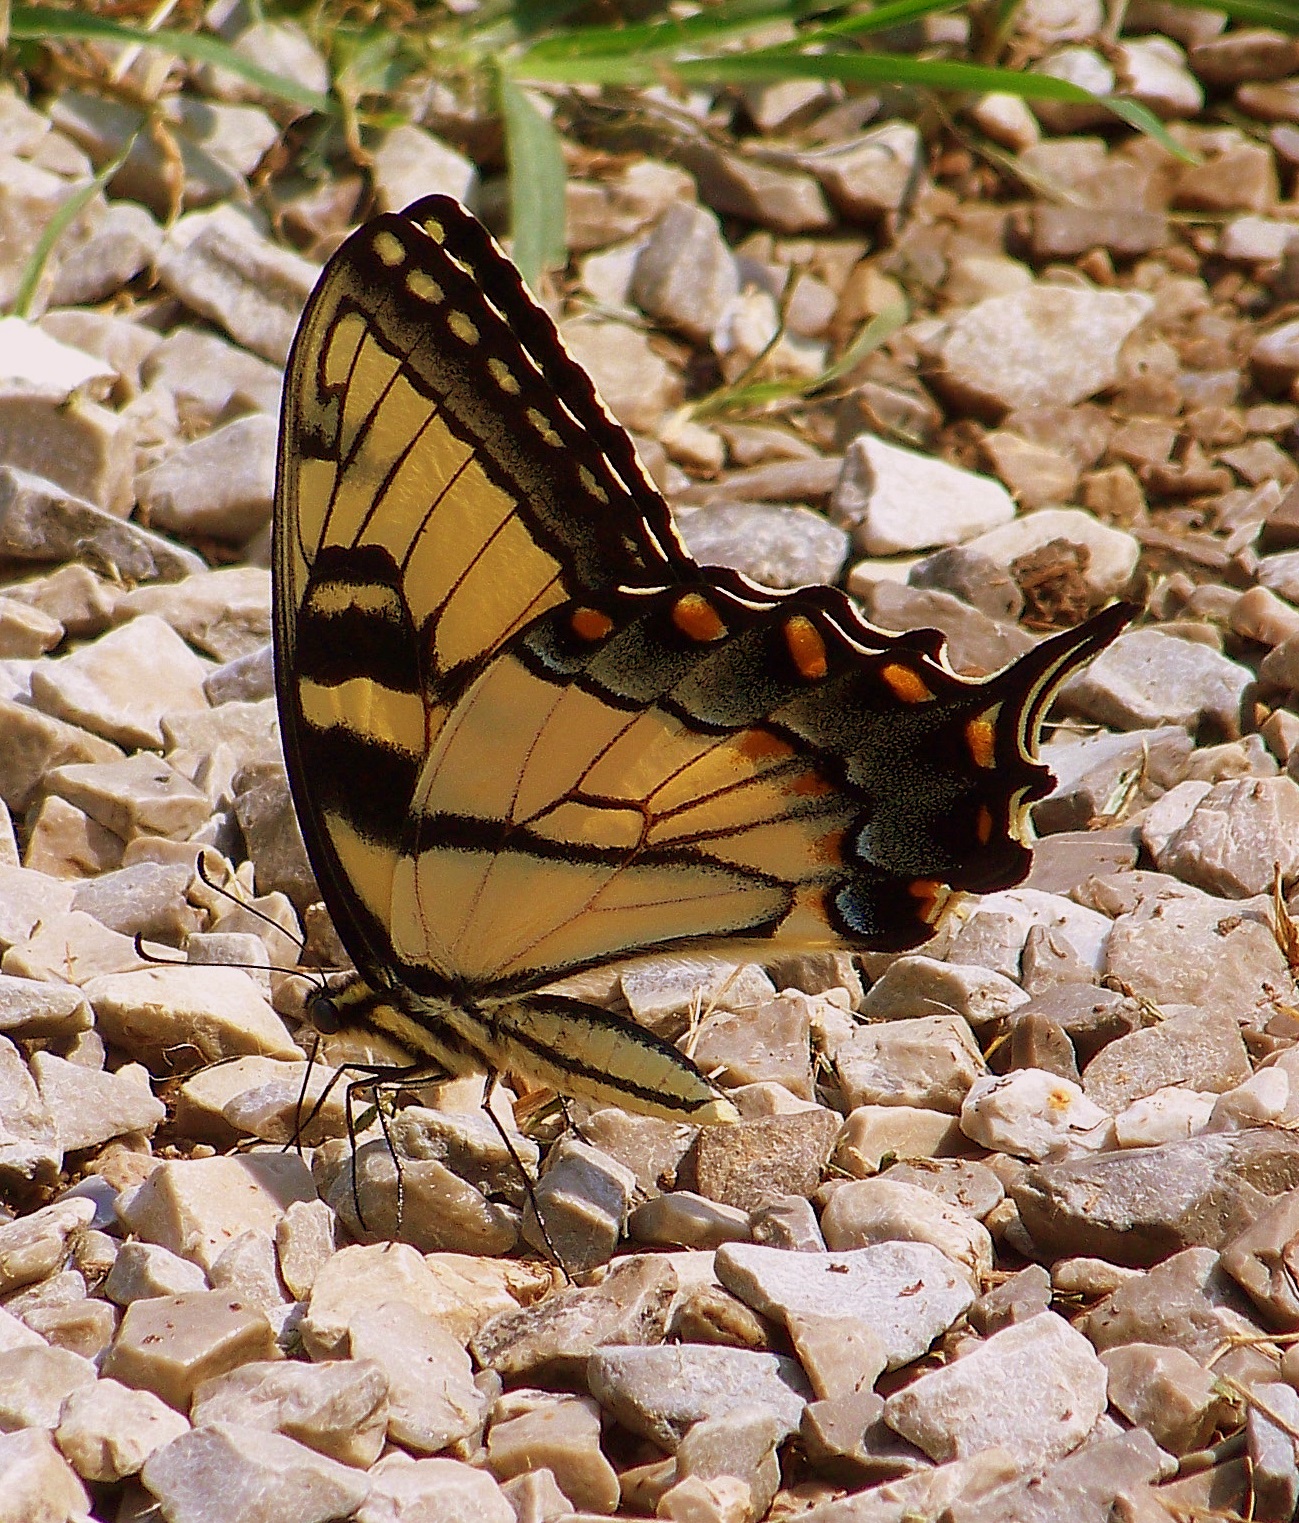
[(680, 767)]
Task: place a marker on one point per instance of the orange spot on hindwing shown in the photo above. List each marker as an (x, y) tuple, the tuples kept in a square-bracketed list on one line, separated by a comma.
[(906, 684), (931, 895), (981, 737), (806, 647), (590, 623), (697, 619)]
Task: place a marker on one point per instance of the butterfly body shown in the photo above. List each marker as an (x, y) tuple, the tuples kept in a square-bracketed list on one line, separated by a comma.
[(527, 734)]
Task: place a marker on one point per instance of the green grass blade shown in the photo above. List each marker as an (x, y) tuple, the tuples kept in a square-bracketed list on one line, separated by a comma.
[(714, 27), (742, 397), (42, 23), (60, 222), (1281, 14), (537, 179), (938, 75)]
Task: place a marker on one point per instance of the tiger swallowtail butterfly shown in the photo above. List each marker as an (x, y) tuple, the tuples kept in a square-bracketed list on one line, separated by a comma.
[(526, 733)]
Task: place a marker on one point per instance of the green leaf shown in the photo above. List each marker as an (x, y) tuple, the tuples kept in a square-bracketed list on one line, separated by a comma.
[(537, 178), (42, 23)]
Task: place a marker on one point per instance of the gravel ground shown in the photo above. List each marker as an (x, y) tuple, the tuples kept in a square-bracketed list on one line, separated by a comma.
[(1009, 1229)]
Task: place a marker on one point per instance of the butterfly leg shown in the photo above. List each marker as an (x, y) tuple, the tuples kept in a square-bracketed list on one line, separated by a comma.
[(488, 1090)]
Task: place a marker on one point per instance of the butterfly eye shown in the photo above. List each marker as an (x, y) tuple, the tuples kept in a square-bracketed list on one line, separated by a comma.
[(324, 1014)]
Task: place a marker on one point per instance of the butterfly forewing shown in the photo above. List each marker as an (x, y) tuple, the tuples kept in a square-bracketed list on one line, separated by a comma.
[(434, 495)]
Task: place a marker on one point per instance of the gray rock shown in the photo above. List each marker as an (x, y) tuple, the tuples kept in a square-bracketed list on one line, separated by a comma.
[(1063, 862), (1033, 1113), (89, 1107), (616, 209), (1035, 1389), (777, 546), (35, 1382), (651, 1147), (245, 679), (422, 1203), (789, 1223), (41, 521), (1147, 678), (682, 1219), (1024, 1295), (1104, 1479), (741, 1444), (143, 1270), (769, 1044), (635, 381), (147, 899), (29, 1150), (881, 485), (221, 268), (914, 986), (108, 1431), (1166, 1392), (220, 486), (1045, 344), (1099, 773), (660, 1393), (904, 1294), (338, 1407), (264, 808), (1182, 947), (961, 1182), (753, 1163), (973, 577), (281, 47), (410, 162), (139, 796), (40, 1480), (35, 1246), (662, 992), (1202, 1050), (867, 1212), (1270, 1425), (560, 1434), (557, 1335), (122, 684), (102, 260), (1138, 1206), (1188, 1301), (686, 274), (1111, 554), (1261, 1260), (155, 1012), (283, 1475), (432, 1401), (976, 643), (210, 379), (929, 1061), (1236, 833), (872, 173), (782, 199), (583, 1198), (29, 1009)]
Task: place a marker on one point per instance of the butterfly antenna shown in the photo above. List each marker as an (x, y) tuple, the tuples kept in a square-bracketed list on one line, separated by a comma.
[(201, 868), (181, 961)]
